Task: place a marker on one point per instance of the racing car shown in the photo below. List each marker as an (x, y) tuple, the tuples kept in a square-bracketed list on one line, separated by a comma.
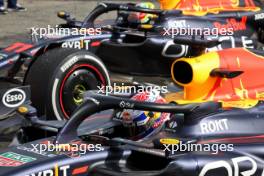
[(219, 126), (131, 49)]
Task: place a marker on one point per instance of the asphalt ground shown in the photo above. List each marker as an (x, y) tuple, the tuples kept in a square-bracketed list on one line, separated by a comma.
[(40, 13)]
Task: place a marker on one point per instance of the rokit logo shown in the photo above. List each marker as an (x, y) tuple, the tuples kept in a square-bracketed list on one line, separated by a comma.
[(14, 98), (214, 126)]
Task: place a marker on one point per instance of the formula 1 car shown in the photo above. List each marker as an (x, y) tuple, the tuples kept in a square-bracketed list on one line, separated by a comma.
[(215, 131), (58, 73)]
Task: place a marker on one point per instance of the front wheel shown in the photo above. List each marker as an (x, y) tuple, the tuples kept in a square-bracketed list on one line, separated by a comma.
[(59, 77)]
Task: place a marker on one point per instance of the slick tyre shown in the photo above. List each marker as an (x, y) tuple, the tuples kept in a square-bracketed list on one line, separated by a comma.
[(60, 76)]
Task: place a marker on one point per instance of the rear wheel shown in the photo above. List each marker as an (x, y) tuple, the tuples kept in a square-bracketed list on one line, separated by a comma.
[(59, 77)]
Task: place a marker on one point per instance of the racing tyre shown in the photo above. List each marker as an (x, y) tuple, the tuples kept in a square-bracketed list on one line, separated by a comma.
[(60, 76)]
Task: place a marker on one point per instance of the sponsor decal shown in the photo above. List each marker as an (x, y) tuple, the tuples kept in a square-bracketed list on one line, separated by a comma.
[(14, 97), (214, 126), (183, 50), (230, 42), (232, 23), (11, 159), (69, 63), (169, 141), (259, 16), (177, 24), (56, 171), (82, 44), (246, 42), (124, 104), (227, 42), (173, 124), (233, 167)]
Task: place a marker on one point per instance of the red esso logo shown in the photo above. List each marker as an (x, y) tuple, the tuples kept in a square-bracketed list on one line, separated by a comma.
[(14, 98)]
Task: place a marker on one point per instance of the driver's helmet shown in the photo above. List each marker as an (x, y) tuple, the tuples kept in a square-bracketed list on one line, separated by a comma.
[(142, 18), (141, 124)]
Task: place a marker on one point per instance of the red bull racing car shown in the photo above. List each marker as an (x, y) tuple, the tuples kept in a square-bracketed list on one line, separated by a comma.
[(140, 43), (215, 130)]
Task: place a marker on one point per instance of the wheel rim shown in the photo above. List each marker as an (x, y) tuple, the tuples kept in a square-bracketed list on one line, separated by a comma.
[(79, 79)]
